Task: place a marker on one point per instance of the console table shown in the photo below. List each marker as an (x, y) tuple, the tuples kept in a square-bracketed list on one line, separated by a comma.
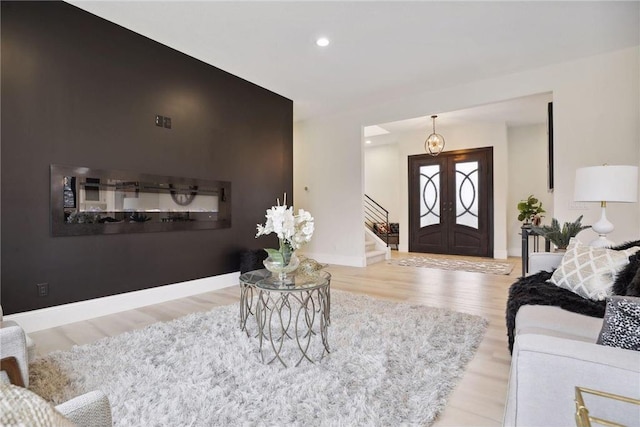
[(526, 233)]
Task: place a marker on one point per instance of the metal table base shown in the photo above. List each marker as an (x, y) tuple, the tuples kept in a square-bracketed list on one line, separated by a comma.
[(292, 319), (292, 316)]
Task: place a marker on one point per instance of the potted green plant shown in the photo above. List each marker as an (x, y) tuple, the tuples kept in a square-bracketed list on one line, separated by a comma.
[(530, 210), (560, 236)]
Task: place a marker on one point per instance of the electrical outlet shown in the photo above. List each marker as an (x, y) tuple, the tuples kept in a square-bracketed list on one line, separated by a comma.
[(43, 289), (167, 122), (159, 121)]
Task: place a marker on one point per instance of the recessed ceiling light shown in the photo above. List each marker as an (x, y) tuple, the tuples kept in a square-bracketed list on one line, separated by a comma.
[(322, 42), (368, 141)]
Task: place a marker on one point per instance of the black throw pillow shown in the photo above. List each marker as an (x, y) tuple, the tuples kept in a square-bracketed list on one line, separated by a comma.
[(633, 289), (628, 279)]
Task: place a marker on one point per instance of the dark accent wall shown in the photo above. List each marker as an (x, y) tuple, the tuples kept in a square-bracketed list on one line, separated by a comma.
[(79, 90)]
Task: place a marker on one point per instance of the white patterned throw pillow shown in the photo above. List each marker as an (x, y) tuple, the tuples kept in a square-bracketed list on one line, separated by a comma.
[(590, 272)]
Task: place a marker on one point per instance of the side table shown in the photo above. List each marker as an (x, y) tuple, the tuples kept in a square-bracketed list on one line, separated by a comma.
[(526, 232), (583, 419), (290, 316)]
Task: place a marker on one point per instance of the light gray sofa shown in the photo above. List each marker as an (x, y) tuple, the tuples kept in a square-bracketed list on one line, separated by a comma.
[(555, 350)]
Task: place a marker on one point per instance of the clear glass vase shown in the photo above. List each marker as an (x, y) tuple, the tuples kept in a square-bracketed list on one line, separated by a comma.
[(281, 269)]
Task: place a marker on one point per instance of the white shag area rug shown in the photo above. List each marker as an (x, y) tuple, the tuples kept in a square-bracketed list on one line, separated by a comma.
[(489, 267), (390, 364)]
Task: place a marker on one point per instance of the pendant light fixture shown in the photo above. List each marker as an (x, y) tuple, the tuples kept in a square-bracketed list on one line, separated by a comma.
[(435, 142)]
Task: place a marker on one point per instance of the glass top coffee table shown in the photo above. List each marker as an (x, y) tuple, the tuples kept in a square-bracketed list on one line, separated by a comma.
[(292, 319)]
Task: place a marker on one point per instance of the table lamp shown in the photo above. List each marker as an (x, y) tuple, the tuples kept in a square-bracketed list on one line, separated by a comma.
[(606, 184)]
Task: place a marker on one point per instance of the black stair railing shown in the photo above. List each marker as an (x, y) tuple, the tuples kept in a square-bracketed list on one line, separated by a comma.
[(374, 213)]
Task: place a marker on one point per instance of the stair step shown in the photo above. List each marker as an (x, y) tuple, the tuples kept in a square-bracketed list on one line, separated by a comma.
[(375, 256)]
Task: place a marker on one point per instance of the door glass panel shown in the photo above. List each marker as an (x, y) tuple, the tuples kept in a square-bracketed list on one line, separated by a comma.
[(429, 195), (467, 194)]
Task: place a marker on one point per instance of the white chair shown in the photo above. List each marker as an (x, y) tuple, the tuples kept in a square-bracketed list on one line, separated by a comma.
[(91, 409), (31, 346)]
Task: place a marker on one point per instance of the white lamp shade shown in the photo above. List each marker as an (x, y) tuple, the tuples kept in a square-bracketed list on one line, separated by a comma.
[(606, 184)]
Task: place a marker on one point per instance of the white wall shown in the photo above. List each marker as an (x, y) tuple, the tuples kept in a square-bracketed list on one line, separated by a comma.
[(527, 175), (328, 182), (382, 177), (596, 120)]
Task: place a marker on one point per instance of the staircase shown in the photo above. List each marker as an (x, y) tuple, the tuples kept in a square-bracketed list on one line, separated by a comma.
[(375, 249)]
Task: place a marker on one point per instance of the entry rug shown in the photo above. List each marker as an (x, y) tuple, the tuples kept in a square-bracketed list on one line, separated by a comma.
[(390, 364), (489, 267)]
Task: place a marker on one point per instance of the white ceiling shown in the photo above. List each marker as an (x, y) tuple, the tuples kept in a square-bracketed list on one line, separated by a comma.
[(523, 111), (378, 50)]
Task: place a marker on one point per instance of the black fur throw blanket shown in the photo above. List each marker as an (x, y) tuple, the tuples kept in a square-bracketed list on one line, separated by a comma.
[(534, 290)]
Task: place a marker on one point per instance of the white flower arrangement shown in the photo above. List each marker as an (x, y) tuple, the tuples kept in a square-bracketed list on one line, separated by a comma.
[(292, 230)]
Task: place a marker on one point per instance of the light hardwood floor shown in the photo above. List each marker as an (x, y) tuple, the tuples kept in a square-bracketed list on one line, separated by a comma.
[(479, 398)]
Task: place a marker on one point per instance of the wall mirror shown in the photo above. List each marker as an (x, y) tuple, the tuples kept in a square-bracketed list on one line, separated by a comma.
[(95, 201)]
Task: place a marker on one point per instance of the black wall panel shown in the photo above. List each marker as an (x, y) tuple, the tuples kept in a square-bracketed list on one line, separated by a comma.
[(79, 90)]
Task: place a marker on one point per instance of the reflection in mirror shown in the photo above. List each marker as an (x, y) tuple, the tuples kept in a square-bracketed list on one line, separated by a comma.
[(124, 202)]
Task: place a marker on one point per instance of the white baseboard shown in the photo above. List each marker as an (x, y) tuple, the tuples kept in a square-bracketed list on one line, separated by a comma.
[(350, 261), (515, 252), (501, 254), (51, 317)]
